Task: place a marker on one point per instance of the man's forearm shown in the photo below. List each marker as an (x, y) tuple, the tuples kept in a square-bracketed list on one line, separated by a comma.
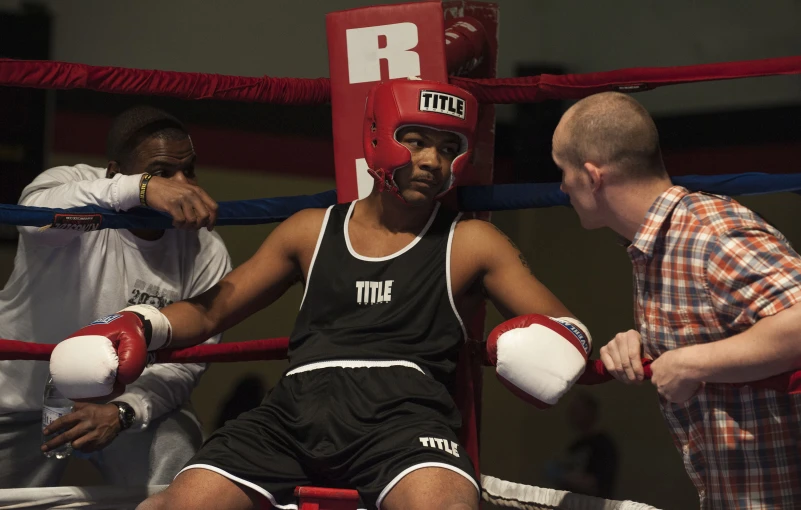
[(771, 346), (55, 189), (160, 389)]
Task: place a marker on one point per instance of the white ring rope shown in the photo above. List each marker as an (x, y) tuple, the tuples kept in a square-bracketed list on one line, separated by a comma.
[(528, 497), (106, 497)]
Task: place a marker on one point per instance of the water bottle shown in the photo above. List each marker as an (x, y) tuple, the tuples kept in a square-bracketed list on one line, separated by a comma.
[(54, 406)]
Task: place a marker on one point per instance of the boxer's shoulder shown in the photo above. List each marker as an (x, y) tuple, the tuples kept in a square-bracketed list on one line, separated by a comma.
[(305, 220), (468, 234), (471, 228), (475, 236), (301, 230), (475, 243)]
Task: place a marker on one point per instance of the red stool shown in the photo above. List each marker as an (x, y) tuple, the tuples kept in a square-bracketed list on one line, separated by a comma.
[(319, 498)]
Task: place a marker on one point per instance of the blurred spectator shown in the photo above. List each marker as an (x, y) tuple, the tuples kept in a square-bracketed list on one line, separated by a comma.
[(589, 465)]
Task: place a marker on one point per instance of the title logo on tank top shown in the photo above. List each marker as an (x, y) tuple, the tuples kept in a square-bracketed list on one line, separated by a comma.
[(373, 293)]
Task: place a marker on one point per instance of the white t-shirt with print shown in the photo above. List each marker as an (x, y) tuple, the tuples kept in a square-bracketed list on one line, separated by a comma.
[(64, 279)]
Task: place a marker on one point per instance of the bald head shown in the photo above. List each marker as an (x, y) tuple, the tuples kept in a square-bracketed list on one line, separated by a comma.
[(613, 129)]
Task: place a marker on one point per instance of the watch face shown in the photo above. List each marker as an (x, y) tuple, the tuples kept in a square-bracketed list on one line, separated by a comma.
[(127, 414)]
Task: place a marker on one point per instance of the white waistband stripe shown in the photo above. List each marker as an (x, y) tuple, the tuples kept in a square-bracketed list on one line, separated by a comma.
[(354, 363)]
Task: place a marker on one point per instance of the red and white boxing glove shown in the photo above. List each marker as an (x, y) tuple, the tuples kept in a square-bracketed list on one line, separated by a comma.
[(538, 357), (108, 351)]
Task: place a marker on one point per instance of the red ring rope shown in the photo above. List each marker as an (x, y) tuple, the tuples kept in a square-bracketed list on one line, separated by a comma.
[(299, 91), (276, 349)]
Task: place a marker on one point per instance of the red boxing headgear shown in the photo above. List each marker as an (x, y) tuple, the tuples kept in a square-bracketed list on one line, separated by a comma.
[(395, 104)]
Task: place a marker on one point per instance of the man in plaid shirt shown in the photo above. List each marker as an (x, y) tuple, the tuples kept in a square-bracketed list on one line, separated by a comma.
[(715, 289)]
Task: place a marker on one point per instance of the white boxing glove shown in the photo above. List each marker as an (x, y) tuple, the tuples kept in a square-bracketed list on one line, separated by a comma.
[(538, 357), (84, 366), (109, 353)]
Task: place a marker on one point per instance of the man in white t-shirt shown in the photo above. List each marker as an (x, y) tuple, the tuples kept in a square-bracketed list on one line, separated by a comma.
[(64, 279)]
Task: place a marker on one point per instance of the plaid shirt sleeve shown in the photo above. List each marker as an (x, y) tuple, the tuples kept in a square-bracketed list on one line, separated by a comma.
[(752, 274)]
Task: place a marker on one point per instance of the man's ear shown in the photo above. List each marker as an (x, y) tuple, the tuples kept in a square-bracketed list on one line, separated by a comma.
[(595, 175), (112, 169)]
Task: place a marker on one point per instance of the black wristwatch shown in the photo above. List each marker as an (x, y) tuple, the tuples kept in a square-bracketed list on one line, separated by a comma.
[(127, 414)]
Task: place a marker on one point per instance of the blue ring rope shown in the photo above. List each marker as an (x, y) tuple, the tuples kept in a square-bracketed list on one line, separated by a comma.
[(499, 197)]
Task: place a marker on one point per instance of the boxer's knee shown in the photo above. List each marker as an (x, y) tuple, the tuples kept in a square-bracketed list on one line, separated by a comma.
[(432, 487), (174, 497), (155, 502), (182, 498), (461, 506), (201, 489)]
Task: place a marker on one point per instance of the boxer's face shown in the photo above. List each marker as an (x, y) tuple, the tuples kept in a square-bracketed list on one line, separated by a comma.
[(432, 153), (171, 159)]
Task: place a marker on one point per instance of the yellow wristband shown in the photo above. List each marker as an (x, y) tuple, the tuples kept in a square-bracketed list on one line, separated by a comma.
[(143, 189)]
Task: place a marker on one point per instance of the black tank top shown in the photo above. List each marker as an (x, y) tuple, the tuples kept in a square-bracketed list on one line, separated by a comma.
[(398, 307)]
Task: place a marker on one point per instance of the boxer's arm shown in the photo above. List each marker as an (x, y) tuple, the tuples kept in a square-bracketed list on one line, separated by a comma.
[(250, 287), (542, 349), (503, 272)]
